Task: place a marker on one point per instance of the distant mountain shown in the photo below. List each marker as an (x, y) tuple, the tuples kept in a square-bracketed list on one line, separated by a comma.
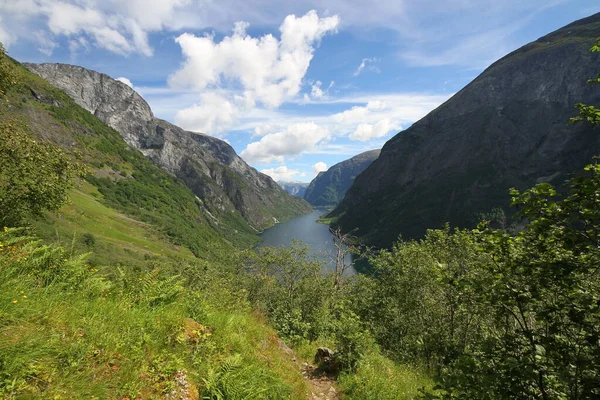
[(505, 129), (329, 187), (210, 167), (294, 188)]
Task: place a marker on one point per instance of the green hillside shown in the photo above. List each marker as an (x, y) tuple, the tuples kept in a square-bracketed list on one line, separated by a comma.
[(130, 290), (124, 179)]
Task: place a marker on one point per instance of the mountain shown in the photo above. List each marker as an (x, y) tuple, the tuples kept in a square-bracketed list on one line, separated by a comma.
[(329, 187), (505, 129), (294, 188), (223, 182)]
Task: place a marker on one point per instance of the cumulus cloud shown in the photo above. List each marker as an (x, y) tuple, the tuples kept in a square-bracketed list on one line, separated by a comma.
[(319, 167), (214, 114), (359, 113), (317, 92), (270, 70), (120, 27), (125, 81), (366, 132), (282, 174), (294, 140), (262, 130), (363, 65)]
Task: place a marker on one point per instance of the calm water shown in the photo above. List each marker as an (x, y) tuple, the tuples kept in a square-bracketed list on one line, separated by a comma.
[(309, 232)]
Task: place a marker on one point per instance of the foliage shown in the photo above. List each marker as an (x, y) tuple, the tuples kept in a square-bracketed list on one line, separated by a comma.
[(378, 378), (419, 303), (543, 285), (35, 176), (351, 339), (291, 290), (67, 331), (8, 75)]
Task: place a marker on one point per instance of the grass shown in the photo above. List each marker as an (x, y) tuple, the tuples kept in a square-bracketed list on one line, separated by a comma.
[(128, 181), (378, 378), (117, 238), (67, 331)]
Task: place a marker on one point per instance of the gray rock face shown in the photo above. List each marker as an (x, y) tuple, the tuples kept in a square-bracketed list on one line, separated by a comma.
[(329, 187), (209, 166), (294, 188), (505, 129)]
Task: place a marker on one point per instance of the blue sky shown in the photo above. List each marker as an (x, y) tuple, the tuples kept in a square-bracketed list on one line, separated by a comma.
[(294, 87)]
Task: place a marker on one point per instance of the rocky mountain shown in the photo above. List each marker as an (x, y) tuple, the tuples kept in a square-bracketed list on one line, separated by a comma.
[(505, 129), (329, 187), (294, 188), (210, 167)]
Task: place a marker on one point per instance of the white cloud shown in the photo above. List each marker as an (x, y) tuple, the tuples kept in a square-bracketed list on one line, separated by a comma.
[(296, 139), (363, 65), (366, 132), (77, 44), (282, 174), (317, 92), (125, 81), (425, 31), (120, 27), (319, 167), (358, 113), (5, 38), (45, 43), (214, 115), (268, 69)]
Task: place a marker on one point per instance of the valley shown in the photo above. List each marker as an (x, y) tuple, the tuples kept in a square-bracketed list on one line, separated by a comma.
[(212, 257)]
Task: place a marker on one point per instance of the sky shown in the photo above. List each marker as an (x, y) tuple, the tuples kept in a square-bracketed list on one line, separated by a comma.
[(294, 86)]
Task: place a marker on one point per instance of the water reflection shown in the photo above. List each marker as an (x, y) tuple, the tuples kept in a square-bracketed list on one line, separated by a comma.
[(312, 234)]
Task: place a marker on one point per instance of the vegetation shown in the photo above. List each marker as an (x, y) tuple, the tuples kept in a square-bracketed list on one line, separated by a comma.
[(489, 313), (127, 181), (35, 177), (67, 331)]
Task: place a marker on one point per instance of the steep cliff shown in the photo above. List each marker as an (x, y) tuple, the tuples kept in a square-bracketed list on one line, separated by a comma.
[(209, 166), (294, 188), (505, 129), (330, 187)]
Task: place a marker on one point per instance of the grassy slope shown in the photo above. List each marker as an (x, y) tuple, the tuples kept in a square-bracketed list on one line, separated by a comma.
[(128, 182), (93, 337), (66, 331), (116, 238)]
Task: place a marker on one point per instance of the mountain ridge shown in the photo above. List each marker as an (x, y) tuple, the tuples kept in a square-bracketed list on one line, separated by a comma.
[(507, 128), (328, 188), (209, 166)]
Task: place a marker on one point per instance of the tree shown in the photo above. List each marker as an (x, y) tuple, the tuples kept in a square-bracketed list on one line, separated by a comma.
[(345, 244), (543, 285), (34, 176)]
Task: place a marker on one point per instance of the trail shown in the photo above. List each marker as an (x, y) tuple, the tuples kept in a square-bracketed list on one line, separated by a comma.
[(320, 385)]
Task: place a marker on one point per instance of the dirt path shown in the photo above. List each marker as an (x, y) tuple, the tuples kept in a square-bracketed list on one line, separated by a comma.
[(320, 385)]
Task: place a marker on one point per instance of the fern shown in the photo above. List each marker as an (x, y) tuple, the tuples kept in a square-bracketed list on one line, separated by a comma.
[(232, 382)]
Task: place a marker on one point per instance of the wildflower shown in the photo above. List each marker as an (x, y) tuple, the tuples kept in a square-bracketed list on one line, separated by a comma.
[(5, 229), (15, 301), (24, 296)]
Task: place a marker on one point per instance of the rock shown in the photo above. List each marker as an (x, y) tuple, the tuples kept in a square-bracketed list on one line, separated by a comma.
[(210, 167), (325, 359), (294, 188), (330, 187), (507, 128)]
